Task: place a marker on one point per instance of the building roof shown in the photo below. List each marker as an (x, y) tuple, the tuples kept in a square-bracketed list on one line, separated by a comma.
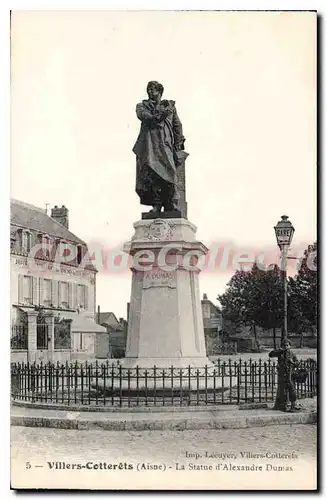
[(109, 318), (205, 300), (28, 216), (81, 324)]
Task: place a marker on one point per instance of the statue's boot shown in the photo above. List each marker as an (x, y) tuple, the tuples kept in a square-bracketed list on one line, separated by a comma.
[(171, 206), (156, 209)]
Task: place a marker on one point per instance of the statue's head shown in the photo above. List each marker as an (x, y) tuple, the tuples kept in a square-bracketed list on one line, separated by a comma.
[(154, 90)]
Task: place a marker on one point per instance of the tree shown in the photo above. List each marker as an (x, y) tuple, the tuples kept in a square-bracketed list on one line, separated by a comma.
[(239, 301), (303, 294), (254, 298), (234, 301), (268, 307)]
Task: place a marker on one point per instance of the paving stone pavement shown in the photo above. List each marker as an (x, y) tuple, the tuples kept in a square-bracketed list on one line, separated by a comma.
[(58, 443)]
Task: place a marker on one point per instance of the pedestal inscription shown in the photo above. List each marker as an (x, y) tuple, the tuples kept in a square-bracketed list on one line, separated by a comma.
[(157, 277)]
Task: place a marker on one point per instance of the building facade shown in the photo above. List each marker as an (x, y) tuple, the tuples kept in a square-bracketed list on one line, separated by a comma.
[(212, 324), (117, 333), (53, 288)]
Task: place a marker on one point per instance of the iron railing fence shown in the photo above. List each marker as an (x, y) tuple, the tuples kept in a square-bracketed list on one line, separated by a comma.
[(105, 384), (19, 336), (18, 339)]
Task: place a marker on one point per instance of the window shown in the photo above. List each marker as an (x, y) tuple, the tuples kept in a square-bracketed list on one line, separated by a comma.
[(80, 296), (26, 239), (64, 294), (79, 254), (29, 242), (47, 288), (45, 244), (27, 289), (19, 238)]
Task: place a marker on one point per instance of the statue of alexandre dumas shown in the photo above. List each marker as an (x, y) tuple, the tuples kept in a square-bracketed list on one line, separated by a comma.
[(159, 151)]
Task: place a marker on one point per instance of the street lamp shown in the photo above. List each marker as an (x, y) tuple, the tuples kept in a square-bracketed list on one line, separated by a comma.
[(284, 231)]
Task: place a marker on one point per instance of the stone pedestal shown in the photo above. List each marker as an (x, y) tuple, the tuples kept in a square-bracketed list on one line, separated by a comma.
[(165, 325)]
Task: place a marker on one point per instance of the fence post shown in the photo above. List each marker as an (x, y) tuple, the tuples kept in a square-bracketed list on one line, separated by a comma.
[(68, 381), (245, 382), (265, 380), (120, 386), (137, 386), (222, 380), (163, 386), (32, 335), (230, 379), (82, 384), (49, 321), (274, 375), (197, 386), (239, 378), (214, 385), (15, 379), (259, 374), (206, 383), (33, 381), (112, 384), (104, 379), (129, 386), (154, 386), (75, 374), (89, 375), (189, 384), (146, 386), (39, 378)]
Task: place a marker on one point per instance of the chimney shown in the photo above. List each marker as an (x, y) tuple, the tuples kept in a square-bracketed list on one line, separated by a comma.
[(60, 214)]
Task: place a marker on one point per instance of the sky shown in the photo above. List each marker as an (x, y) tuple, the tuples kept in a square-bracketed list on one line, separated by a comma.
[(245, 90)]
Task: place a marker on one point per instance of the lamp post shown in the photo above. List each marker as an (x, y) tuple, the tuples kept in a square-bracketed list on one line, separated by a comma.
[(284, 231)]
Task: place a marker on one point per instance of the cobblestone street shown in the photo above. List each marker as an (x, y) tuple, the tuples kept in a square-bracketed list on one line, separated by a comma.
[(40, 445), (58, 444)]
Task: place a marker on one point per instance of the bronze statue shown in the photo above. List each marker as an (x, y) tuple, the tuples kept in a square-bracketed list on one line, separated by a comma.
[(160, 153)]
